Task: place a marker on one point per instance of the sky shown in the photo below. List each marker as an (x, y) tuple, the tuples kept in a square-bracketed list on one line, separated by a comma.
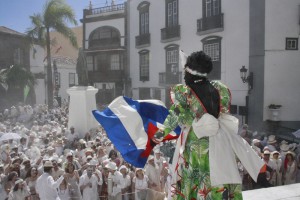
[(14, 14)]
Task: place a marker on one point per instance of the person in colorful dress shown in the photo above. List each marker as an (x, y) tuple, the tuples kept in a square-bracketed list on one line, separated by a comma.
[(200, 107)]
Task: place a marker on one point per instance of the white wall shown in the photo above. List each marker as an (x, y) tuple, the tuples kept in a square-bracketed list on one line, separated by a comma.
[(282, 66), (37, 66), (64, 71), (234, 43)]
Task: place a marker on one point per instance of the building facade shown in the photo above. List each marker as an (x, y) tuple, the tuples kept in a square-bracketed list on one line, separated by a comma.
[(104, 44), (234, 34)]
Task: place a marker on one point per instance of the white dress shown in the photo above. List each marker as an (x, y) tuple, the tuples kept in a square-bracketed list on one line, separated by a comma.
[(140, 187), (277, 176), (290, 177)]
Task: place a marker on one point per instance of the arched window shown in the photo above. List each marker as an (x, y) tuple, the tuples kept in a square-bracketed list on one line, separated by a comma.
[(104, 37)]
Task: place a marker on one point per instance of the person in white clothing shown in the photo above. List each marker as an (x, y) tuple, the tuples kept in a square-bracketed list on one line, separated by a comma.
[(116, 177), (153, 172), (277, 177), (46, 187), (140, 184), (88, 184), (125, 182)]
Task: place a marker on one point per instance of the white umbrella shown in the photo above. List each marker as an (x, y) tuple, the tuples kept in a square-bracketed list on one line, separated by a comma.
[(10, 136), (297, 133)]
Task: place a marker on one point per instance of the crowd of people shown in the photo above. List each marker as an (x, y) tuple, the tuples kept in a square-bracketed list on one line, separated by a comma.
[(49, 160), (43, 158), (282, 159)]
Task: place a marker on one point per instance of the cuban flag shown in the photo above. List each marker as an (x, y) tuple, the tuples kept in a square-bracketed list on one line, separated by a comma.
[(130, 125)]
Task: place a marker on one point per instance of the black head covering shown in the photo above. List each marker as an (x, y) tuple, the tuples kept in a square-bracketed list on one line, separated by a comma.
[(206, 92)]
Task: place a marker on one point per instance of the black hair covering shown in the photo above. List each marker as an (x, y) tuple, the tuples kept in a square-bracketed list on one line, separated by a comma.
[(205, 91), (199, 62)]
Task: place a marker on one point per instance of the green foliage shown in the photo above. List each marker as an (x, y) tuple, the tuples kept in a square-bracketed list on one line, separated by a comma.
[(19, 77), (55, 16)]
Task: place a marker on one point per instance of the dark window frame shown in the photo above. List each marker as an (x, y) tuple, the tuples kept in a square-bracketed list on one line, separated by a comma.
[(173, 5), (288, 47), (74, 78), (213, 5), (212, 40), (169, 65), (144, 18), (145, 77)]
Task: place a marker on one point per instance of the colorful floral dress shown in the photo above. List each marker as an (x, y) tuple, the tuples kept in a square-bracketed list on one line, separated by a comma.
[(194, 173)]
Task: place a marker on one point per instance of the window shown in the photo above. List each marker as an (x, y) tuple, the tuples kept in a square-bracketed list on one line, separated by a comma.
[(291, 43), (90, 63), (144, 93), (212, 47), (18, 56), (172, 59), (144, 17), (71, 79), (211, 8), (115, 62), (172, 13), (144, 65)]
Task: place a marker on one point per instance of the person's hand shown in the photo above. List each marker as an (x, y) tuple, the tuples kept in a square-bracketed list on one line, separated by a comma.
[(158, 137)]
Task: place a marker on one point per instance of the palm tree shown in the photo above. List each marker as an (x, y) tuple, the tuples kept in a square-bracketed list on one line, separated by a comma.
[(56, 15)]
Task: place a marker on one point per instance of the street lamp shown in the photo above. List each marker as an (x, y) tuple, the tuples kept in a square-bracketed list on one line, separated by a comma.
[(247, 78)]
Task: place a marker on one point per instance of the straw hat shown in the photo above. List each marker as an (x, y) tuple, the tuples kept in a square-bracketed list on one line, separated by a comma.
[(284, 147), (267, 152), (123, 167), (271, 139), (48, 164)]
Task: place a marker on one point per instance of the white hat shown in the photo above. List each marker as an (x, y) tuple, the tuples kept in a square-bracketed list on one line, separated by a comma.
[(254, 141), (150, 158), (283, 142), (123, 167), (89, 157), (19, 181), (112, 166), (93, 162), (284, 147), (48, 164), (271, 139), (267, 152)]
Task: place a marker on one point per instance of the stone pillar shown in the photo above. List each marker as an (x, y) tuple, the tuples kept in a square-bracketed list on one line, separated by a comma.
[(82, 102)]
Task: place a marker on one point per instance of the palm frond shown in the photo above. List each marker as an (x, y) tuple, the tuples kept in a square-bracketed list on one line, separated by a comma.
[(67, 32)]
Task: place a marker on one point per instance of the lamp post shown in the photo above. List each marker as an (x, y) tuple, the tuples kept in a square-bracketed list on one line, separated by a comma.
[(247, 78)]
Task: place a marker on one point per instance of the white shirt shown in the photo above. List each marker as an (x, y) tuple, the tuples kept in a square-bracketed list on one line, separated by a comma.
[(153, 174), (89, 193), (46, 187), (117, 185)]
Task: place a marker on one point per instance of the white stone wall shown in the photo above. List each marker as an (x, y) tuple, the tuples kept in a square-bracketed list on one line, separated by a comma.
[(64, 71), (282, 66)]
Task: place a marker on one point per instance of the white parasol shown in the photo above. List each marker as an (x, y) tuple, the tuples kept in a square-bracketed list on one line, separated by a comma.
[(10, 136)]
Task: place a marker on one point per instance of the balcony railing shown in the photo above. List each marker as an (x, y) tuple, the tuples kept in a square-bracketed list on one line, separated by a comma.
[(170, 32), (106, 75), (142, 39), (108, 42), (166, 78), (208, 23), (105, 9)]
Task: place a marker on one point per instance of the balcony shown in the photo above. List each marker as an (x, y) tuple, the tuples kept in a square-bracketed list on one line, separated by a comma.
[(106, 9), (106, 75), (170, 33), (142, 40), (104, 43), (210, 24), (167, 78)]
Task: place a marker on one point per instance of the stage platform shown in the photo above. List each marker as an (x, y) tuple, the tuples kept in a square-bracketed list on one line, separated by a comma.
[(286, 192)]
